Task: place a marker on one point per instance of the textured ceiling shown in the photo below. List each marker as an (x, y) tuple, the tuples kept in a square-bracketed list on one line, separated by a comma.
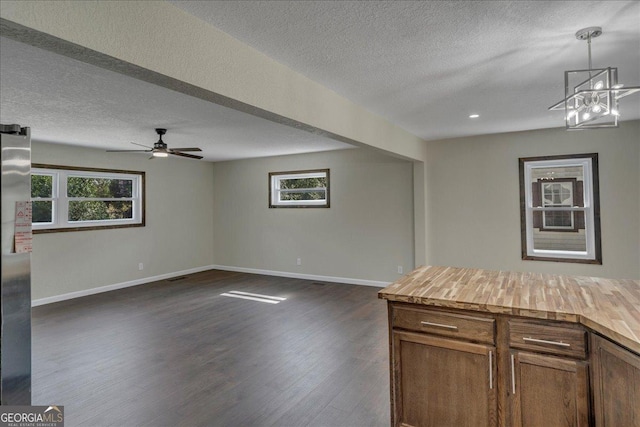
[(427, 65), (67, 101), (424, 66)]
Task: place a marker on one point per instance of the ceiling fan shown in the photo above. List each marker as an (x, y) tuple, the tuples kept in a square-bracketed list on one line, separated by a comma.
[(160, 149)]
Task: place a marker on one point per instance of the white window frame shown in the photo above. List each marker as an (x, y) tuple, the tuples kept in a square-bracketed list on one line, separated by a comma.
[(60, 200), (588, 162), (53, 199), (275, 190)]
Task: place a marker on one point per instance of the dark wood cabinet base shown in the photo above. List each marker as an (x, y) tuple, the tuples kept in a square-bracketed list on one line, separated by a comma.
[(464, 368)]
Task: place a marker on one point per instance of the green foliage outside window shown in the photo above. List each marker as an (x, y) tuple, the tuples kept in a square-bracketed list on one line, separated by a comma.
[(41, 211), (303, 188), (102, 188), (41, 186), (95, 210), (86, 188), (66, 198)]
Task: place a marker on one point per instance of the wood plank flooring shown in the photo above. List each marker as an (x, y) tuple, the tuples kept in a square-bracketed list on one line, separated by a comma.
[(176, 353)]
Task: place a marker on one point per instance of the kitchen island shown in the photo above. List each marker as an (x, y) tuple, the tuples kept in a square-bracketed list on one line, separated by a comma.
[(478, 347)]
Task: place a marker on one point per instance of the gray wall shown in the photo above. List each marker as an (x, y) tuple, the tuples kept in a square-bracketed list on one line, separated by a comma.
[(366, 234), (473, 198), (201, 214), (178, 234)]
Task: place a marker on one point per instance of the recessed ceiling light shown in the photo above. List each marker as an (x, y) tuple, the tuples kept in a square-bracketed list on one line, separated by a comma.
[(474, 116)]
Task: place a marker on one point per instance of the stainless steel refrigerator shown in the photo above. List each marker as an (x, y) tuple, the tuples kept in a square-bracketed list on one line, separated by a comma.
[(15, 367)]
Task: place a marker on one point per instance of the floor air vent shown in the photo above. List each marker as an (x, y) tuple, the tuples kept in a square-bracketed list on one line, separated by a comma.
[(175, 279)]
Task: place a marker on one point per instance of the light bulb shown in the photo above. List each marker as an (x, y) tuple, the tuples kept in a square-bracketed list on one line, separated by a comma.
[(615, 112), (585, 116), (160, 154), (598, 85), (596, 108)]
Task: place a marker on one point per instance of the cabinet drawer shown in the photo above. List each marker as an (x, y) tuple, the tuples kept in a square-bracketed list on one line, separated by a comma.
[(443, 323), (566, 340)]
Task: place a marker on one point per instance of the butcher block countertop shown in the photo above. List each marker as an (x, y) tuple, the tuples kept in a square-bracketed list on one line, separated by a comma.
[(607, 306)]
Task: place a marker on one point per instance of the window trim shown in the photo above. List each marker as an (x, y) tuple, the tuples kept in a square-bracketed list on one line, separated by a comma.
[(591, 209), (60, 199), (274, 191)]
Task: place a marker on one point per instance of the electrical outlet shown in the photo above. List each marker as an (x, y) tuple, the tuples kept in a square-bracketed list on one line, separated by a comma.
[(140, 266), (400, 269), (299, 261)]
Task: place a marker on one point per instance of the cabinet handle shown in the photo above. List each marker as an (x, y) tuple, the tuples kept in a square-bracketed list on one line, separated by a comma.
[(513, 374), (490, 370), (439, 325), (558, 343)]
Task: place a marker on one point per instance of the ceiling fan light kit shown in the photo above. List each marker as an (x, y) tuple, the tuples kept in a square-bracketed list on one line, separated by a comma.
[(591, 95), (160, 149)]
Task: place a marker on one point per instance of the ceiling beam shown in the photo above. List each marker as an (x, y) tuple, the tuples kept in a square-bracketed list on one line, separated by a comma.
[(159, 43)]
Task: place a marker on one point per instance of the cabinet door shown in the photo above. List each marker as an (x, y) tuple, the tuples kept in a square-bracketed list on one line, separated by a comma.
[(548, 391), (616, 385), (441, 382)]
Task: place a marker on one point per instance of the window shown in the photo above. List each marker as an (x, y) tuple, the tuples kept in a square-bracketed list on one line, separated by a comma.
[(557, 194), (560, 213), (299, 189), (71, 199)]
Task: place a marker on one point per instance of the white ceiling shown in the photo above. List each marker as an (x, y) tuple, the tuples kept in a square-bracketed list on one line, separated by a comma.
[(423, 65)]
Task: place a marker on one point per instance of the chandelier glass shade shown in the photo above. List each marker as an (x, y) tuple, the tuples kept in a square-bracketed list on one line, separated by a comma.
[(591, 95)]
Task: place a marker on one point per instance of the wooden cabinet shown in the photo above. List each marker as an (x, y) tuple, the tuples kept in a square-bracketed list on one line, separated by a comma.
[(442, 382), (616, 384), (549, 374), (557, 350), (548, 391), (439, 377), (456, 368)]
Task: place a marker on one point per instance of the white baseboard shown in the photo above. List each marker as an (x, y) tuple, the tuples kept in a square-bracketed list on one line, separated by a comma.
[(304, 276), (92, 291)]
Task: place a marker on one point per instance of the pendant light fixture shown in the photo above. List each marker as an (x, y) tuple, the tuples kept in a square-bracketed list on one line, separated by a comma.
[(591, 95)]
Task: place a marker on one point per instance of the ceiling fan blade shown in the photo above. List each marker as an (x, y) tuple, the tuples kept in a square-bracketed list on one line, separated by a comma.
[(186, 149), (191, 156), (135, 143), (129, 151)]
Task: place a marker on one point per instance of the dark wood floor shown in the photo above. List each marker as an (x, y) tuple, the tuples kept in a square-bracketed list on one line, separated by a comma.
[(176, 353)]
